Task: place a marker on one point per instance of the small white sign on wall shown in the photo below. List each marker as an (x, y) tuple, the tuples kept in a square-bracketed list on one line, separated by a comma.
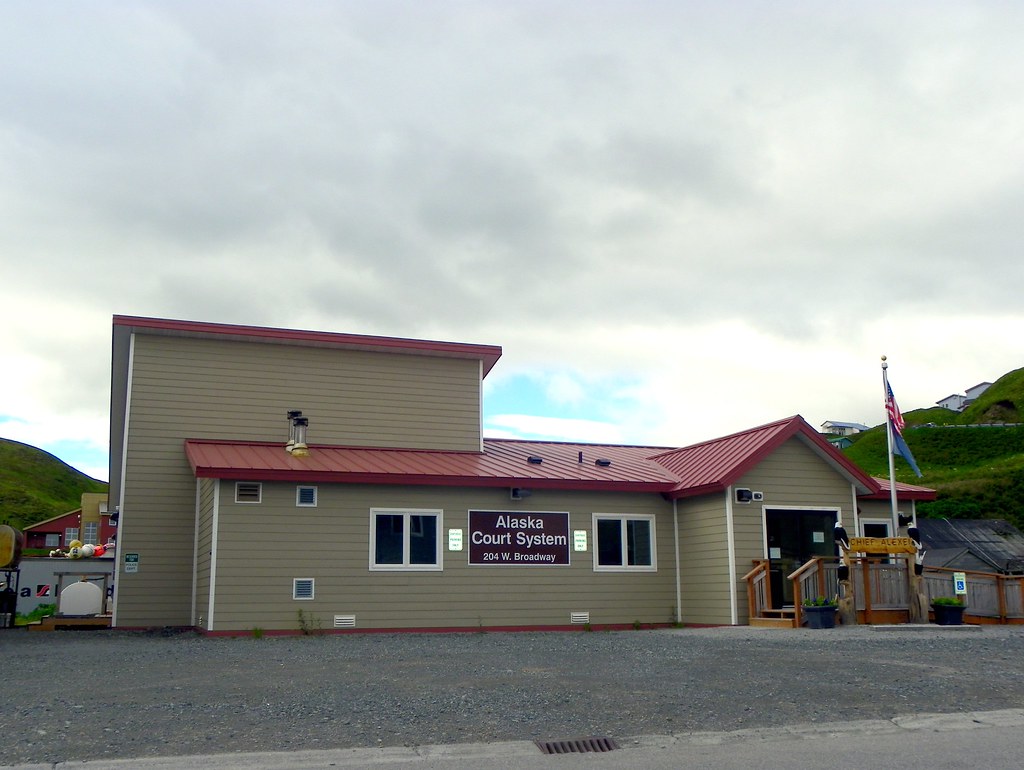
[(579, 540), (454, 539), (819, 537)]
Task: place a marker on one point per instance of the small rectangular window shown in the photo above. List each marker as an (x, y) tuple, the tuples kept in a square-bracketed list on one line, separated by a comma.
[(405, 539), (53, 540), (71, 533), (624, 542), (91, 528), (305, 497), (302, 588), (248, 492)]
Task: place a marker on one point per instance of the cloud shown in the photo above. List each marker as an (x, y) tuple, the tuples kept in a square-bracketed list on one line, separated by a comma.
[(707, 215)]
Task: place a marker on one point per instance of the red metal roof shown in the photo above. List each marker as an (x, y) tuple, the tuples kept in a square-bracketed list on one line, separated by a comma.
[(903, 491), (707, 467), (488, 354), (502, 463), (712, 466)]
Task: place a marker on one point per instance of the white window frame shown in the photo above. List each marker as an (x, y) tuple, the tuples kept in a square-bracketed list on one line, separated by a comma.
[(407, 534), (70, 533), (295, 589), (622, 518), (53, 540), (887, 523), (259, 493), (91, 532), (298, 496)]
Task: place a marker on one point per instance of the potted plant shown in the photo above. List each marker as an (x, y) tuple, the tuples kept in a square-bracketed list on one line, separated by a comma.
[(820, 612), (949, 610)]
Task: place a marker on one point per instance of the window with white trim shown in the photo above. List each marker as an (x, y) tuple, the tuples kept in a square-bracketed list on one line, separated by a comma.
[(305, 497), (303, 589), (70, 533), (405, 539), (624, 542), (91, 532), (248, 492), (53, 540)]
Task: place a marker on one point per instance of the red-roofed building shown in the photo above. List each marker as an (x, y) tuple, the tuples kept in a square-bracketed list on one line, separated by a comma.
[(259, 472)]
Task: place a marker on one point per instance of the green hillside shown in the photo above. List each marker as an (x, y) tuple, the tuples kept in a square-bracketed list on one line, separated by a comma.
[(973, 459), (35, 485)]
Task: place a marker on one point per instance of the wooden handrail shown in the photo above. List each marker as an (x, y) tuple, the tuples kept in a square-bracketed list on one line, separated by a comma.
[(805, 567), (759, 566)]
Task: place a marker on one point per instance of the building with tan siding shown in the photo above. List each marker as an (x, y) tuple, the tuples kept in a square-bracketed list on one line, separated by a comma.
[(395, 512)]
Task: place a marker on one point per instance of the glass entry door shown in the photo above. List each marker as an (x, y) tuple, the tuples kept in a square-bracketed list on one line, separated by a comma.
[(794, 537)]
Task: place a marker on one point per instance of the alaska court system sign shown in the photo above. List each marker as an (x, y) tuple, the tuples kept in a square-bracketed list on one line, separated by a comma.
[(507, 538)]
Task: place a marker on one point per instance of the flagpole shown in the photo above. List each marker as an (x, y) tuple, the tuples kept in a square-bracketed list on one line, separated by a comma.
[(892, 458)]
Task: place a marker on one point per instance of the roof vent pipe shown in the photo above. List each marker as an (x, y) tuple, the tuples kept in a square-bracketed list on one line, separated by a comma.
[(292, 414), (581, 457), (299, 448)]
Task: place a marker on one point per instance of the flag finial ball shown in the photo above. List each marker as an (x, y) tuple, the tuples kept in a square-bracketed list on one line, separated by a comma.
[(883, 358)]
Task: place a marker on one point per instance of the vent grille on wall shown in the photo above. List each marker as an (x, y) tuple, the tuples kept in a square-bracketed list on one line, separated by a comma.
[(302, 588), (344, 621), (579, 618), (248, 492)]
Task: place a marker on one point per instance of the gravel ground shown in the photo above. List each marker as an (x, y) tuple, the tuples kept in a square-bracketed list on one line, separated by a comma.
[(91, 694)]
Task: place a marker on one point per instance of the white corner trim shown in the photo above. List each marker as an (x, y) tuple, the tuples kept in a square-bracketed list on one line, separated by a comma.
[(213, 554), (195, 556), (124, 467), (731, 540)]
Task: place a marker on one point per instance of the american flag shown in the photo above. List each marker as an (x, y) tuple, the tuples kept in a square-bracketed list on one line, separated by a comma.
[(894, 411)]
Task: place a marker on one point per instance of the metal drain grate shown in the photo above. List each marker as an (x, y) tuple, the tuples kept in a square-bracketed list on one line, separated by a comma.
[(578, 746)]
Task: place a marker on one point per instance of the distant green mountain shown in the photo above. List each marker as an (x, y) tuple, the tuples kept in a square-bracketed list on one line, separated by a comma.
[(973, 459), (35, 485)]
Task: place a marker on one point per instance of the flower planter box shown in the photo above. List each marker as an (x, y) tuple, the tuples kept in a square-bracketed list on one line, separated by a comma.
[(948, 614), (820, 617)]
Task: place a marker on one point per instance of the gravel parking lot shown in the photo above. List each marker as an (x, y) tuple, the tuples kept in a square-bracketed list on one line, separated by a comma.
[(79, 695)]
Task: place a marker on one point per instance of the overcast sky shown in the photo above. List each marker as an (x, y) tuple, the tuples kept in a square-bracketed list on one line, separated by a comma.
[(678, 219)]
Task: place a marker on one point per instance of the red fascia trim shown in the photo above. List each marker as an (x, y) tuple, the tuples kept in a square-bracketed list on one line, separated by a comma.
[(489, 354), (395, 479), (901, 494)]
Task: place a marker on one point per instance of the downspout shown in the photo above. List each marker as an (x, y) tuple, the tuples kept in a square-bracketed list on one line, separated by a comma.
[(679, 584), (731, 542)]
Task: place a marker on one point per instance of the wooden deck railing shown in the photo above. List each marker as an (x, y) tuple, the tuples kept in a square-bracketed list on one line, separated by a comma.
[(758, 588), (881, 586)]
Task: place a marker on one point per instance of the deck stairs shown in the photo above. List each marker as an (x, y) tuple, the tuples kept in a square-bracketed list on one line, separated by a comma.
[(781, 618)]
